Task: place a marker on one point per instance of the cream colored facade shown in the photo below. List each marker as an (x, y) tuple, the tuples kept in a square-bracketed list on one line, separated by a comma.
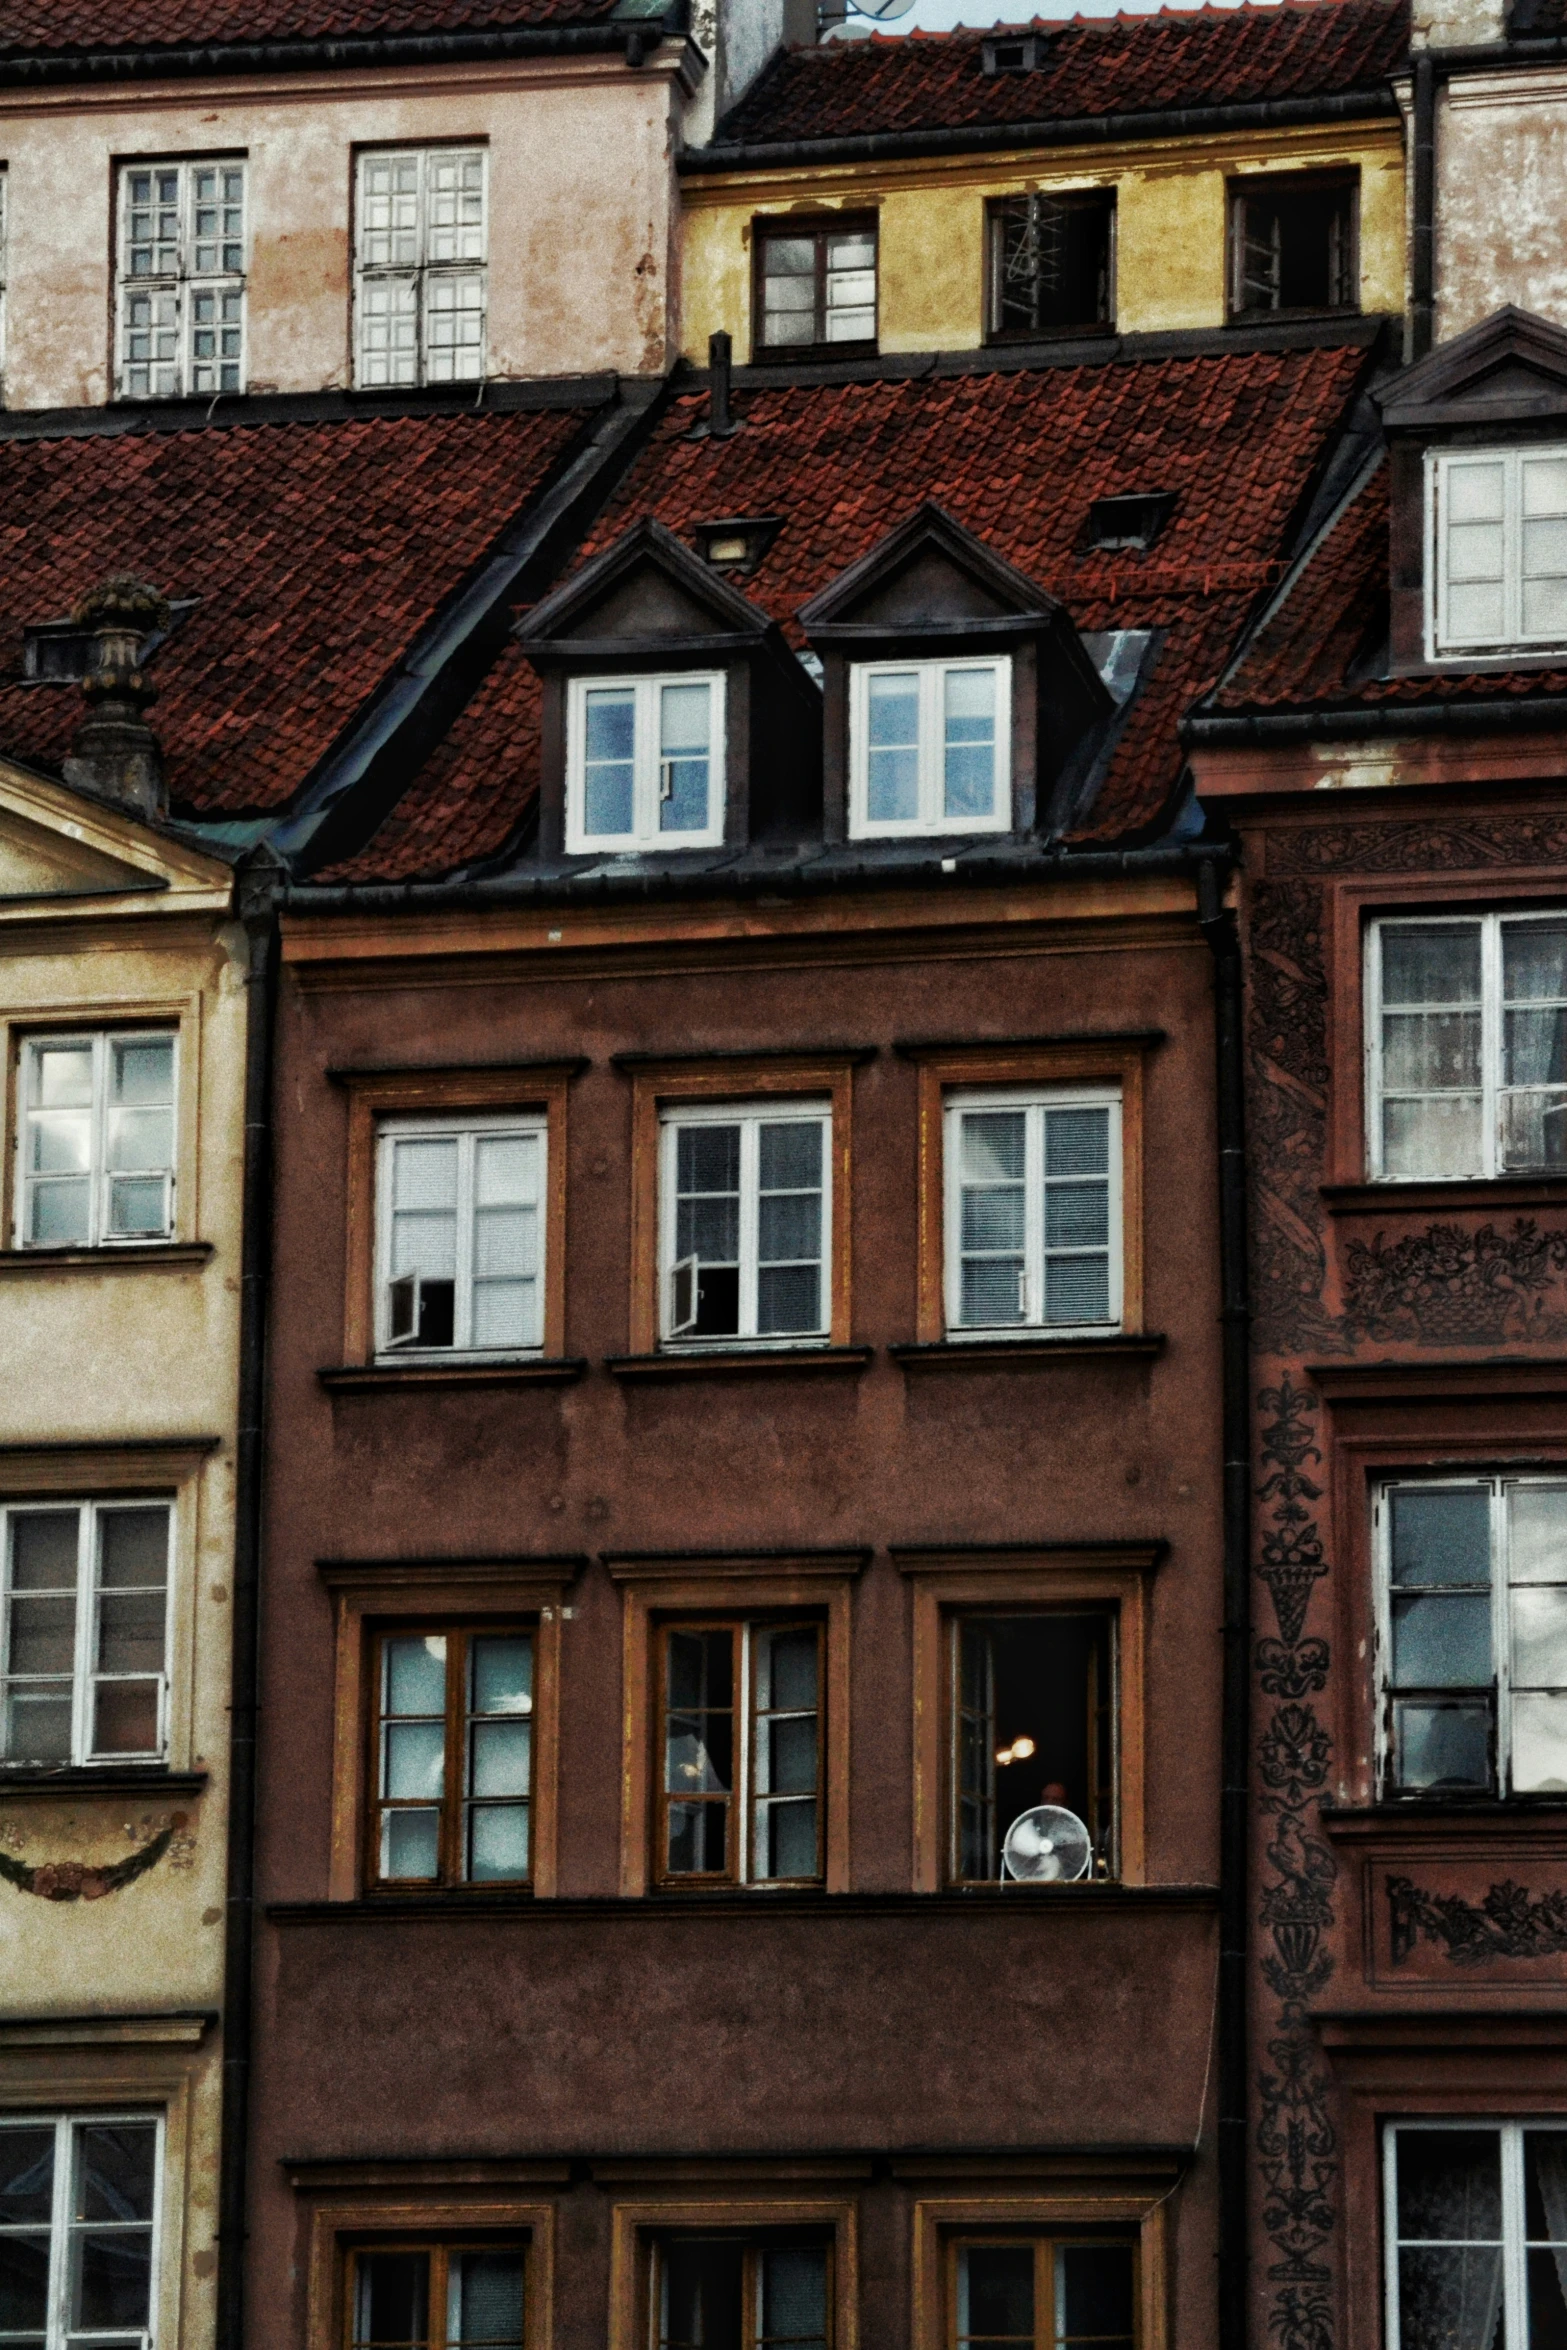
[(582, 209), (121, 1379), (1501, 196), (1170, 228)]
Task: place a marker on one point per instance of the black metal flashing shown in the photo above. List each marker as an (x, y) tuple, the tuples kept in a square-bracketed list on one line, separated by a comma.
[(233, 411), (1347, 722), (206, 60), (1089, 130)]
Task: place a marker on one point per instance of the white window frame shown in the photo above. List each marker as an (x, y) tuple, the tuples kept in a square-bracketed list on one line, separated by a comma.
[(645, 835), (84, 1671), (1515, 2239), (749, 1116), (1501, 1683), (1441, 644), (1036, 1099), (99, 1175), (465, 1131), (59, 2334), (198, 378), (932, 782), (1492, 1003), (424, 275)]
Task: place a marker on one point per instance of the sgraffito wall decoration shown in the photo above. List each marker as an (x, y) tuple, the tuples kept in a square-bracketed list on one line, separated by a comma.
[(1507, 1922)]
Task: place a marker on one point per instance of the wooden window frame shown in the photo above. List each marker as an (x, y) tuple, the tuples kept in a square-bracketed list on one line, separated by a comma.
[(654, 1589), (1098, 2199), (374, 1096), (637, 2227), (449, 1878), (948, 1069), (665, 1085), (1043, 2243), (437, 2245), (1026, 1582), (1108, 1848), (741, 1797), (1099, 199), (355, 2218), (374, 1597), (1244, 185), (764, 229)]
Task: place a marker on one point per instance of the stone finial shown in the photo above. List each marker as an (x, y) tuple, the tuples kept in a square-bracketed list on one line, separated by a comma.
[(115, 752)]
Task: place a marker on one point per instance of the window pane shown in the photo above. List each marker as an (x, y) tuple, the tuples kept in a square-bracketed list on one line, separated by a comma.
[(789, 290), (702, 2296), (130, 1632), (125, 1717), (992, 1220), (786, 1668), (1431, 963), (142, 1071), (789, 1228), (892, 738), (851, 287), (794, 2298), (416, 1674), (1432, 1138), (64, 1076), (44, 1550), (1447, 2298), (1545, 2186), (608, 762), (707, 1221), (1437, 1746), (24, 2291), (1449, 2186), (498, 1838), (502, 1670), (1077, 1290), (392, 2303), (1539, 1744), (43, 1635), (61, 1142), (410, 1843), (115, 2171), (133, 1549), (485, 2291), (1094, 2293), (698, 1747), (1441, 1534), (969, 753), (1539, 1637), (415, 1759), (996, 2293), (1441, 1641), (685, 746), (499, 1759), (1077, 1142), (1431, 1052), (26, 2175)]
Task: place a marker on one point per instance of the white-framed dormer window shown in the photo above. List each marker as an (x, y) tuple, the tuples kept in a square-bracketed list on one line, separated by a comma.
[(745, 1218), (84, 1638), (96, 1139), (930, 747), (1496, 532), (421, 244), (645, 762), (1466, 1045), (80, 2221), (1033, 1211), (460, 1236), (182, 279)]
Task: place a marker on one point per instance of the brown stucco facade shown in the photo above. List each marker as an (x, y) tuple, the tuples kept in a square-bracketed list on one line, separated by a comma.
[(586, 2062)]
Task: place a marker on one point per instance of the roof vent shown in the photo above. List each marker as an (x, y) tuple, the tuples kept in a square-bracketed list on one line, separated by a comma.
[(114, 751), (739, 542), (1134, 520), (1013, 53)]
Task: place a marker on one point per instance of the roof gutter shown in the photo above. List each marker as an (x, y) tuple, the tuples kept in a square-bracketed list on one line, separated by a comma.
[(1084, 130), (635, 40), (1350, 725), (555, 889)]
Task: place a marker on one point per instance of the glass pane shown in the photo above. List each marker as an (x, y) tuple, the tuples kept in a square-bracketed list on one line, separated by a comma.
[(506, 1169), (1431, 963), (1450, 2298), (415, 1759), (130, 1632), (498, 1842), (794, 2297), (1077, 1289), (140, 1139), (1441, 1640), (684, 757), (1441, 1534), (499, 1762), (1537, 1533), (789, 1226), (1077, 1215), (63, 1076), (992, 1293), (133, 1549), (1449, 2186), (698, 1838), (113, 2278), (1546, 2274), (996, 2293), (42, 1636), (1077, 1142), (424, 1173), (1545, 2186), (502, 1671), (969, 756), (786, 1670), (1094, 2293), (415, 1671), (1534, 962), (993, 1218), (138, 1204), (26, 2175), (789, 1156), (1534, 1124), (1430, 1052), (1439, 1746), (993, 1145), (485, 2290), (787, 1839), (787, 1763), (1539, 1756), (702, 2296), (1544, 601), (44, 1550), (125, 1717), (392, 2300), (1476, 615), (608, 763), (892, 739), (410, 1843), (58, 1214), (24, 2290), (1539, 1623), (788, 1301), (61, 1142), (37, 1728), (116, 2167)]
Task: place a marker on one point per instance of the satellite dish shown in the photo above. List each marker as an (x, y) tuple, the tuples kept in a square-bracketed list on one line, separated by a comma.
[(1047, 1846), (882, 10)]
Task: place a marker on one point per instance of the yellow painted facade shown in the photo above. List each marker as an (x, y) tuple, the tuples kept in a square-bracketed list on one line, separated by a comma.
[(1170, 228), (121, 1382)]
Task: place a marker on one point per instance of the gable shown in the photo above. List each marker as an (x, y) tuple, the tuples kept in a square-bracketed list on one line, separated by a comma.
[(648, 588), (927, 575), (56, 843), (926, 591), (1512, 367)]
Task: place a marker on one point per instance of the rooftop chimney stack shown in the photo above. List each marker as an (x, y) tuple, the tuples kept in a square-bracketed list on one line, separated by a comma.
[(720, 421), (115, 753)]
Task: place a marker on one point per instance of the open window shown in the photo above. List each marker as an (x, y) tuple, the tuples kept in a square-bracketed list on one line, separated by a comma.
[(1052, 264), (460, 1236), (411, 2295), (746, 1216), (741, 1715), (1033, 1211), (737, 2292), (1293, 245), (1031, 1723)]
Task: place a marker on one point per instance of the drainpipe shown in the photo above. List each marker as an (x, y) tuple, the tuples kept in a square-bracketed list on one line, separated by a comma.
[(1218, 927), (257, 895), (1422, 232)]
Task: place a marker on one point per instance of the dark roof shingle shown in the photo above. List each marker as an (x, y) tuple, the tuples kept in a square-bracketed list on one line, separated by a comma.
[(318, 551), (1092, 66), (1017, 458), (41, 27)]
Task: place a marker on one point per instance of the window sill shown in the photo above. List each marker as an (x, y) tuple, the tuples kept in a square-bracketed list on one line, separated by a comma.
[(20, 1783), (809, 354), (721, 1360), (987, 1354), (110, 1256), (1436, 1816), (998, 1900), (1290, 317), (1454, 1191), (539, 1371)]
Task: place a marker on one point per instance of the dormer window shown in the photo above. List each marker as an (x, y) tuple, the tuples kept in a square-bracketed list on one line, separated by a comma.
[(1497, 538), (929, 747), (645, 762)]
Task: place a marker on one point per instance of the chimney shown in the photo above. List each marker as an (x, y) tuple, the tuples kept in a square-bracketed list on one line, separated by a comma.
[(720, 421), (115, 752)]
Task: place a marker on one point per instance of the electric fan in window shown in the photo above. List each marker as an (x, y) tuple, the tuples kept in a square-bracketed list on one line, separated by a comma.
[(1047, 1846)]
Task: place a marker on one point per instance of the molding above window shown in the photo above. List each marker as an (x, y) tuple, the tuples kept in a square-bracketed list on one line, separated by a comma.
[(653, 1566)]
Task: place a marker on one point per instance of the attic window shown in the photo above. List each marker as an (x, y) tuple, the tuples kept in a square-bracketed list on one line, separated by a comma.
[(1014, 53), (739, 542), (1133, 520), (58, 652)]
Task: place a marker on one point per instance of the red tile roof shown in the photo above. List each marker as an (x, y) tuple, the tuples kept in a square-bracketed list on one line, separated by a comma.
[(317, 549), (1017, 458), (1332, 618), (34, 27), (1091, 66)]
